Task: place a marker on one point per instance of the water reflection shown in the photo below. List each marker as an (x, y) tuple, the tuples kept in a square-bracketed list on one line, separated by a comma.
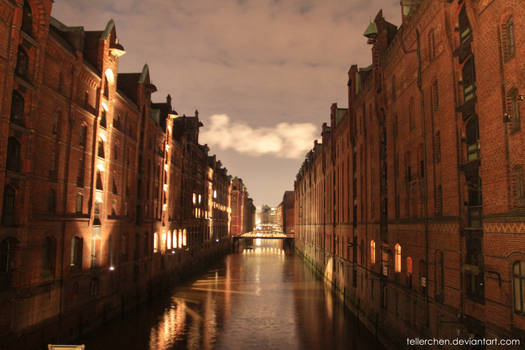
[(261, 297)]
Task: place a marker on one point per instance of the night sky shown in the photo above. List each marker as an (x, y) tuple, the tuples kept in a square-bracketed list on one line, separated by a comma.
[(262, 73)]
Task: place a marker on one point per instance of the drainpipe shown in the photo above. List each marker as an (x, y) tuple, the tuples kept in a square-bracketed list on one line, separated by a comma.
[(425, 182)]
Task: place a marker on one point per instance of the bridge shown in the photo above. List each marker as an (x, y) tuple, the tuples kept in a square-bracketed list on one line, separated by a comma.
[(265, 235)]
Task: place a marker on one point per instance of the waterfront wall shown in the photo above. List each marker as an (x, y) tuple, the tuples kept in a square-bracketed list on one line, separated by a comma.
[(128, 289)]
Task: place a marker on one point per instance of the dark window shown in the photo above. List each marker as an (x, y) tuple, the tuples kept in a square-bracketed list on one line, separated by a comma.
[(8, 249), (49, 254), (99, 180), (13, 161), (411, 116), (437, 147), (22, 62), (53, 163), (83, 135), (9, 207), (54, 128), (518, 188), (507, 32), (431, 46), (439, 201), (115, 191), (80, 172), (468, 74), (52, 201), (513, 110), (472, 135), (17, 108), (101, 152), (518, 272), (106, 87), (111, 251), (27, 19), (474, 280), (435, 96), (76, 252), (103, 121), (439, 270), (79, 204)]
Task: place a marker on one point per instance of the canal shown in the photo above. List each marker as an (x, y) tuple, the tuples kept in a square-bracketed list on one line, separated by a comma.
[(260, 297)]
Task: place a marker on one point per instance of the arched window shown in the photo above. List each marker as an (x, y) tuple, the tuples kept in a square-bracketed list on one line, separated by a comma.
[(49, 255), (22, 62), (155, 242), (9, 207), (17, 108), (76, 251), (397, 261), (99, 180), (13, 161), (372, 252), (409, 272), (27, 19), (103, 119), (519, 286)]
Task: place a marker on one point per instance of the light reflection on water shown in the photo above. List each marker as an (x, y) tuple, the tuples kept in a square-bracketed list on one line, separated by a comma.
[(262, 297)]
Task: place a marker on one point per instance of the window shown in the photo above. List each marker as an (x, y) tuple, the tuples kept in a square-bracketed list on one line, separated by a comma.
[(393, 88), (79, 203), (437, 147), (13, 161), (180, 238), (110, 252), (95, 249), (53, 163), (8, 248), (54, 127), (465, 33), (155, 242), (103, 121), (99, 181), (518, 188), (115, 150), (101, 152), (80, 172), (439, 270), (106, 87), (17, 108), (513, 110), (472, 139), (439, 201), (22, 63), (115, 191), (169, 240), (397, 261), (76, 252), (411, 117), (518, 282), (174, 245), (372, 252), (9, 207), (409, 272), (507, 32), (184, 238), (435, 96), (51, 201), (468, 74), (431, 46), (49, 255), (83, 135), (27, 19)]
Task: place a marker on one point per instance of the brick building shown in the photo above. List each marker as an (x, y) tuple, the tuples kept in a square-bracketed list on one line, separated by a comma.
[(242, 209), (105, 195), (412, 205), (287, 212)]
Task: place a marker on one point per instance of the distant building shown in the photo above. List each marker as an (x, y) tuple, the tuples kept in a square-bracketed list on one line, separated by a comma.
[(288, 218), (242, 209)]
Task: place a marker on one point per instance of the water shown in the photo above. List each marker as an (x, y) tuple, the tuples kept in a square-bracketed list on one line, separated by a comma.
[(261, 297)]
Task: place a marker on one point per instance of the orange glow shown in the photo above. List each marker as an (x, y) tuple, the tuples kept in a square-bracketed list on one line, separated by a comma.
[(169, 240), (372, 252), (155, 242), (397, 263)]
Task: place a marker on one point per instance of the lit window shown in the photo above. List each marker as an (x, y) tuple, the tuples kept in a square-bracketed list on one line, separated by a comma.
[(184, 238), (519, 286), (155, 242), (194, 198), (214, 194), (409, 271), (180, 239), (163, 247), (199, 198), (397, 262), (372, 252)]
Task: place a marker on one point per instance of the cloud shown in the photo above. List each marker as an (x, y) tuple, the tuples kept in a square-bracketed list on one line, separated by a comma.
[(284, 140)]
